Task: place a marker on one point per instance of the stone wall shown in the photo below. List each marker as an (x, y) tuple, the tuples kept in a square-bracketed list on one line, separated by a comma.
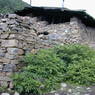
[(16, 38), (21, 35)]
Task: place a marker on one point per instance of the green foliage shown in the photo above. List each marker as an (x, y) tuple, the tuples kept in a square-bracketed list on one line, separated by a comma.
[(74, 53), (41, 75), (81, 73), (48, 68), (3, 89), (9, 6), (79, 63)]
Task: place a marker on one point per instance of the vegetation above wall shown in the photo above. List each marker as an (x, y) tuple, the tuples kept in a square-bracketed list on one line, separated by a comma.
[(47, 69), (9, 6)]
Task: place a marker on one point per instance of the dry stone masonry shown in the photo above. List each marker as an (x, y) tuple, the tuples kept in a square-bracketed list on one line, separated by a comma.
[(21, 35)]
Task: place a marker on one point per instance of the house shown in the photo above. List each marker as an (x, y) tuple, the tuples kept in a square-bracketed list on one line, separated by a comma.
[(55, 11), (86, 5)]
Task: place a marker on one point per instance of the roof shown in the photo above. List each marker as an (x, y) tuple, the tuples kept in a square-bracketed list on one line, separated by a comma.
[(59, 15)]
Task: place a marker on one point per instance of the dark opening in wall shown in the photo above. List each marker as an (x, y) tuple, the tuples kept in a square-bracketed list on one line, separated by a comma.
[(57, 15), (44, 33)]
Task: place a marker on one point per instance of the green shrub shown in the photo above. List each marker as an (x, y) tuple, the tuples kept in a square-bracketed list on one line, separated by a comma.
[(73, 53), (48, 68), (81, 73), (79, 63), (42, 74)]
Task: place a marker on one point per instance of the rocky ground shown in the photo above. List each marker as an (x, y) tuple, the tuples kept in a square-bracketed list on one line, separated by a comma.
[(67, 90)]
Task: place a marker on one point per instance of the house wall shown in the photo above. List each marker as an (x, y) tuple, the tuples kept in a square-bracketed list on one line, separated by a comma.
[(44, 3), (21, 35)]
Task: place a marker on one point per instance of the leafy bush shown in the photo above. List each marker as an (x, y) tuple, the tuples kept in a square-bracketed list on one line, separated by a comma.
[(73, 53), (81, 73), (79, 63), (48, 68), (41, 75)]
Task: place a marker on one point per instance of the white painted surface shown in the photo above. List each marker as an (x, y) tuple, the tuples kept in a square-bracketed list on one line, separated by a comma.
[(46, 3)]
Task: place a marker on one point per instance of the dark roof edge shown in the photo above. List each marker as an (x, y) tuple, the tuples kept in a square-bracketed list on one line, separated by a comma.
[(80, 14)]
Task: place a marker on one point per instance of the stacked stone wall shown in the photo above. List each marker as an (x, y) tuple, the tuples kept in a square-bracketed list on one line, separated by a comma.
[(21, 35)]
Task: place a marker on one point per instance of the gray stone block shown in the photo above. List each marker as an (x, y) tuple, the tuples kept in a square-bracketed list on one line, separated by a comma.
[(4, 36), (5, 78), (12, 16), (9, 43), (15, 51), (9, 68), (3, 27), (11, 57), (2, 54)]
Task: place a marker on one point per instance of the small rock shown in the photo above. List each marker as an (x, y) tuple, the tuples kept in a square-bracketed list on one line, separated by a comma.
[(9, 68), (70, 90), (9, 43), (2, 54), (12, 26), (4, 60), (2, 50), (55, 36), (17, 29), (12, 16), (16, 93), (5, 94), (4, 20), (40, 36), (77, 93), (86, 94), (12, 36), (88, 88), (61, 88), (3, 27), (20, 51), (56, 94), (12, 22), (15, 51), (63, 85), (4, 36), (14, 62), (52, 91), (5, 78), (11, 57), (78, 87)]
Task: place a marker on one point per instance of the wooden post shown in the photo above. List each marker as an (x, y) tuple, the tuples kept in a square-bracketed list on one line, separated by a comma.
[(30, 2), (63, 4)]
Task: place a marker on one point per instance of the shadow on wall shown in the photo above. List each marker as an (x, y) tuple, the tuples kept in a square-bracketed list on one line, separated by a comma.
[(57, 15)]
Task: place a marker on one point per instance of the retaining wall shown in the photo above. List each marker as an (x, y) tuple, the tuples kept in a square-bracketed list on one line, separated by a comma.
[(21, 35)]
